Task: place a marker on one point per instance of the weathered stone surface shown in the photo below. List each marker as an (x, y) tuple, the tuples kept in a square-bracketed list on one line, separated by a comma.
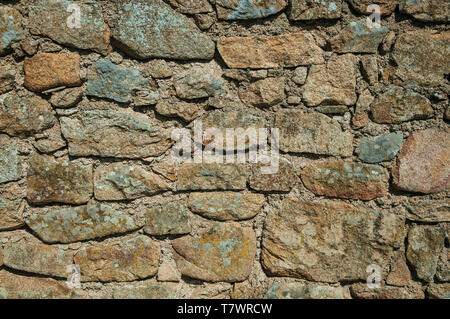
[(313, 10), (67, 225), (10, 28), (360, 120), (399, 274), (200, 81), (9, 160), (300, 75), (263, 93), (332, 83), (11, 206), (346, 180), (51, 140), (23, 287), (152, 29), (443, 267), (49, 70), (361, 291), (303, 132), (326, 241), (58, 181), (110, 133), (425, 244), (423, 164), (119, 260), (192, 7), (422, 57), (24, 115), (7, 79), (168, 219), (66, 98), (258, 52), (160, 69), (427, 10), (280, 181), (119, 182), (184, 110), (428, 210), (156, 290), (225, 206), (380, 148), (294, 290), (56, 20), (245, 9), (439, 291), (369, 69), (398, 105), (1, 256), (223, 252), (38, 259), (166, 168), (193, 176)]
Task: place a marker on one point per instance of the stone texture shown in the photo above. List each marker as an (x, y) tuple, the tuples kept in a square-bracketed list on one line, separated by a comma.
[(302, 132), (398, 105), (346, 180), (361, 291), (51, 18), (66, 98), (443, 267), (369, 69), (24, 115), (425, 244), (160, 69), (380, 148), (9, 160), (226, 206), (10, 28), (223, 252), (49, 70), (314, 10), (152, 29), (259, 52), (427, 10), (399, 274), (422, 57), (192, 7), (7, 79), (37, 259), (110, 133), (281, 181), (156, 290), (386, 6), (439, 291), (245, 9), (332, 83), (120, 182), (300, 75), (58, 181), (168, 219), (294, 290), (423, 164), (184, 110), (428, 210), (192, 176), (51, 140), (360, 120), (1, 256), (327, 241), (68, 225), (11, 206), (263, 93)]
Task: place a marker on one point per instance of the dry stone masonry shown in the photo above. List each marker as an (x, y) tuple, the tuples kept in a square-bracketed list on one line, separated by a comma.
[(92, 91)]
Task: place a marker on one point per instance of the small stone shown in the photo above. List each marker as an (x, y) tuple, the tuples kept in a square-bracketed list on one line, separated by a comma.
[(263, 52), (160, 69), (7, 79), (281, 181), (67, 98), (212, 291), (11, 206), (10, 28), (167, 219), (300, 75), (191, 7), (156, 290), (447, 114), (388, 42), (52, 140), (49, 70), (399, 274), (439, 291), (22, 116), (332, 109), (152, 29), (9, 160), (69, 225), (423, 164), (427, 10), (365, 99), (294, 100), (1, 256), (429, 211), (346, 180), (297, 290), (314, 10), (332, 83), (425, 244), (380, 148), (361, 291), (370, 69), (122, 182), (204, 21), (302, 132), (443, 267), (360, 120), (236, 74), (168, 271), (193, 176), (167, 169), (399, 105), (225, 206), (53, 180), (114, 133), (246, 10), (186, 111), (386, 6), (263, 93), (223, 252), (119, 260)]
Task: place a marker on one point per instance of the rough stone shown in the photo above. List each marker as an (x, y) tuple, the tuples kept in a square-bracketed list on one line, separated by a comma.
[(167, 219), (193, 176), (443, 267), (429, 211), (192, 7), (49, 70), (119, 260), (156, 290), (68, 225), (9, 160), (58, 181), (260, 52), (399, 274), (300, 75), (386, 6), (11, 206), (51, 140), (361, 291), (160, 69), (225, 206), (263, 93), (296, 290), (398, 105), (152, 29), (110, 133), (7, 79), (1, 256), (439, 291), (186, 111), (10, 28), (360, 120), (332, 83), (427, 10), (52, 18), (423, 164), (245, 9), (167, 169), (346, 179), (281, 181), (223, 252), (380, 148), (303, 132), (313, 10), (369, 69), (67, 98), (120, 182)]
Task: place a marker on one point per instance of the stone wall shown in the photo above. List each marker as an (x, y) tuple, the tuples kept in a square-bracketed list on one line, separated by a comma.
[(91, 93)]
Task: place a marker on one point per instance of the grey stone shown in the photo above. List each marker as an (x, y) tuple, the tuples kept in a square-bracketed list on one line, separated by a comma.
[(9, 162), (380, 148), (428, 210), (10, 28), (7, 79), (167, 219), (156, 290), (66, 98), (245, 9)]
